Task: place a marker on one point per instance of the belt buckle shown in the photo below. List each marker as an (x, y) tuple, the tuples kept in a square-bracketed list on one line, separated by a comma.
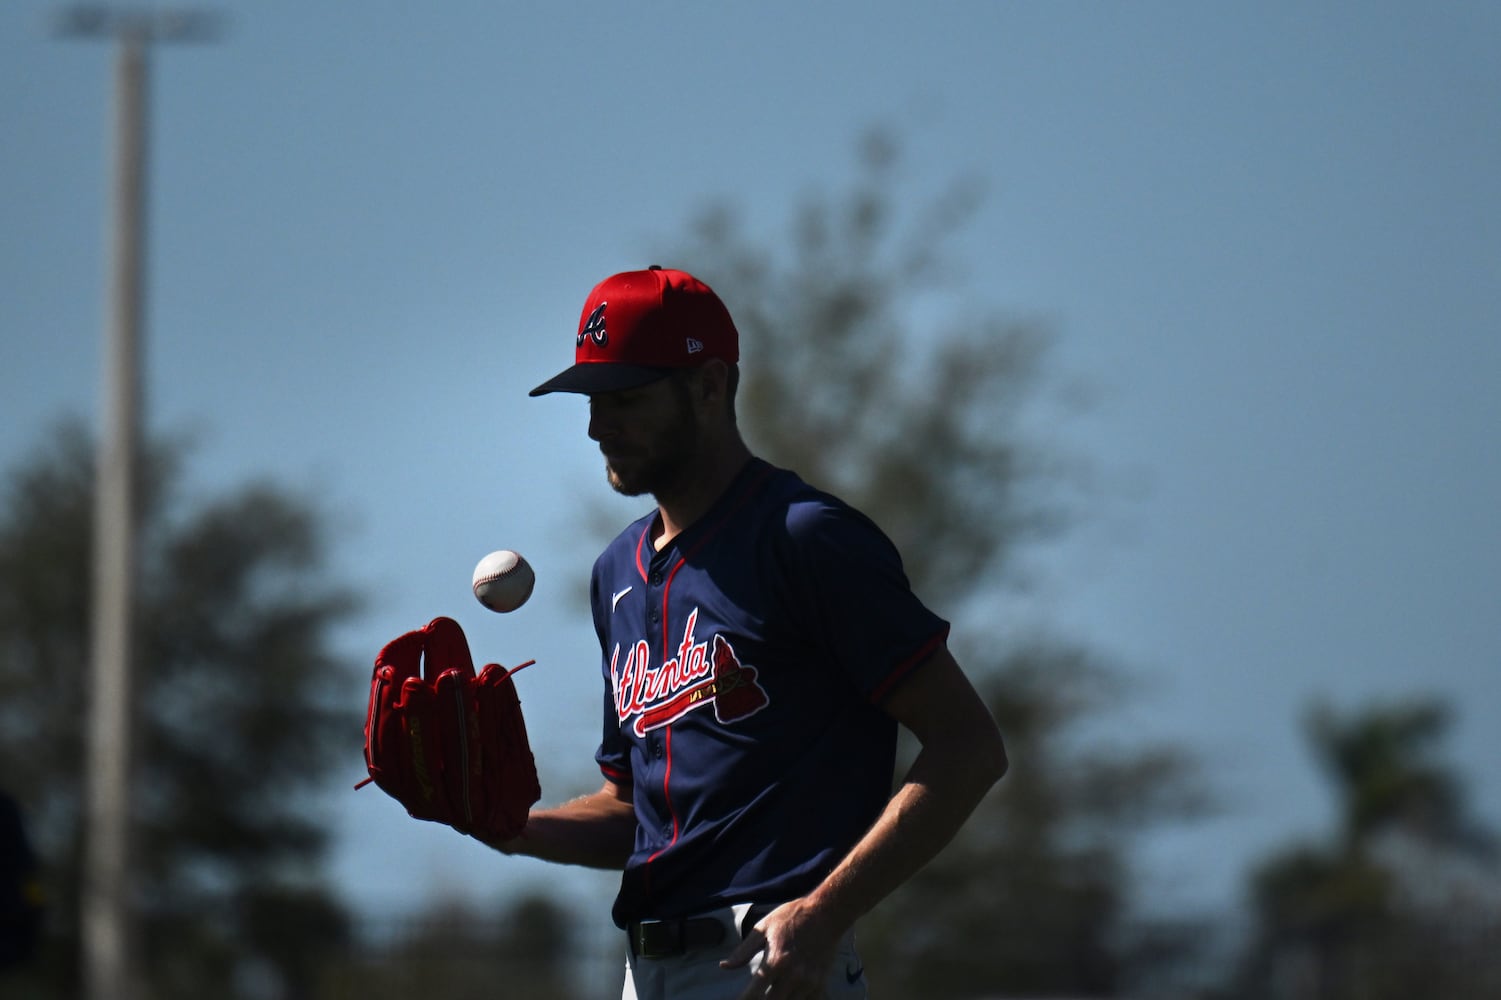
[(659, 938)]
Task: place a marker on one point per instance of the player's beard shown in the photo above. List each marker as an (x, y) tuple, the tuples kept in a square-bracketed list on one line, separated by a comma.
[(665, 464)]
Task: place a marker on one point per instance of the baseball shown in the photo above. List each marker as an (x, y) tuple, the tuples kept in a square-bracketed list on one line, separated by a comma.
[(503, 580)]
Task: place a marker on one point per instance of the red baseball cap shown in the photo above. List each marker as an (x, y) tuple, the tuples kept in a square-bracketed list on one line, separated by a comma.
[(639, 326)]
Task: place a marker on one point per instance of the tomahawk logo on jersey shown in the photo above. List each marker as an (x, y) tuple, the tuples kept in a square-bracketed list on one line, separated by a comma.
[(695, 678)]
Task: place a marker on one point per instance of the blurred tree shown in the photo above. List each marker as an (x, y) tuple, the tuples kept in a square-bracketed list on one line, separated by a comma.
[(870, 370), (1381, 764), (243, 711), (1405, 900), (456, 952)]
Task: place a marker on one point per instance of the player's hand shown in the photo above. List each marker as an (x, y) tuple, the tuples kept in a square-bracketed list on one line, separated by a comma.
[(799, 951)]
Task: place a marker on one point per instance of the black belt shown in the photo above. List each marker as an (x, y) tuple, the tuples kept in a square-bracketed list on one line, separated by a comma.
[(668, 938)]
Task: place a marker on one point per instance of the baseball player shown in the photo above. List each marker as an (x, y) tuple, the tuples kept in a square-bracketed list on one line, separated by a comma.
[(760, 646)]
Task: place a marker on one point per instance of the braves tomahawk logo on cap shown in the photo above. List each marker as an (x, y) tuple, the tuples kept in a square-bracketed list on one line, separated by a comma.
[(594, 328), (659, 320)]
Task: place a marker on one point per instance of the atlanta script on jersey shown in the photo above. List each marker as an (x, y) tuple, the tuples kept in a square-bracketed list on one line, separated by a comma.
[(744, 668)]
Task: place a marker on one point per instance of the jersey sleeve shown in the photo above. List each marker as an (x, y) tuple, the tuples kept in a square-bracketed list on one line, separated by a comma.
[(614, 753), (851, 595)]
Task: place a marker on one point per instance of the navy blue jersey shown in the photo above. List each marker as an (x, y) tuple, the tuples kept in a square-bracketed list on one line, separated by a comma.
[(745, 665)]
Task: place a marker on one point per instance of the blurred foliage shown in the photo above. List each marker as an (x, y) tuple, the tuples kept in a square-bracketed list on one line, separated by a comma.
[(243, 711), (1381, 764), (871, 370), (1404, 899), (453, 951)]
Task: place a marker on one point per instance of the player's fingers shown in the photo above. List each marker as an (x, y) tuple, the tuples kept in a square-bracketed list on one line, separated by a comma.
[(743, 952)]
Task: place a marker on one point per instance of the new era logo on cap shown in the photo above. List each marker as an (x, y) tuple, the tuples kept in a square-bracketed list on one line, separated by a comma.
[(637, 326)]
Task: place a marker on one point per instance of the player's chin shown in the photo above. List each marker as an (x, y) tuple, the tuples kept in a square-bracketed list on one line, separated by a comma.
[(626, 482)]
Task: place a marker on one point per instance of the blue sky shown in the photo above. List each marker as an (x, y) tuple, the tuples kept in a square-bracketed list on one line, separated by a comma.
[(1268, 235)]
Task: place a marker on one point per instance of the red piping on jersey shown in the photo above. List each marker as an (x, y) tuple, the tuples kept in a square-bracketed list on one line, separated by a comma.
[(749, 491), (905, 667), (640, 543), (667, 796)]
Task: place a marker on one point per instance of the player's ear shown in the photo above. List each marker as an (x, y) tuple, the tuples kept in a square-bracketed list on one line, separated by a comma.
[(712, 383)]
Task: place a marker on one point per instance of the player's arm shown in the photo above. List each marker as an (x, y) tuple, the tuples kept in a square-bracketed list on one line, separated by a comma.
[(596, 830), (962, 756)]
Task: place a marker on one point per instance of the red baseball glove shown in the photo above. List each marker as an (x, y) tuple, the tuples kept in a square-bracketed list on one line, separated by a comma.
[(448, 745)]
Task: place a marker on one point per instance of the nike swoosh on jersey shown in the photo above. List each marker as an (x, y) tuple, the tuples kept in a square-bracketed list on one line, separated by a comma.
[(615, 598)]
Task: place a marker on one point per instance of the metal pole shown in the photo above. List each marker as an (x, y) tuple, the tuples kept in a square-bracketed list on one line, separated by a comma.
[(110, 955), (108, 929)]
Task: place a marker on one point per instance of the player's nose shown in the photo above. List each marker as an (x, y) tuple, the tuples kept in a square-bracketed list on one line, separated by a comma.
[(601, 425)]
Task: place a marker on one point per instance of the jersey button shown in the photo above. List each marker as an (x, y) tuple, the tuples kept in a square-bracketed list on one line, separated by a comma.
[(656, 579), (656, 750), (653, 615)]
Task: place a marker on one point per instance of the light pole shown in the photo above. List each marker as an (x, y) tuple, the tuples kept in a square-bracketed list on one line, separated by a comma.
[(108, 935)]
